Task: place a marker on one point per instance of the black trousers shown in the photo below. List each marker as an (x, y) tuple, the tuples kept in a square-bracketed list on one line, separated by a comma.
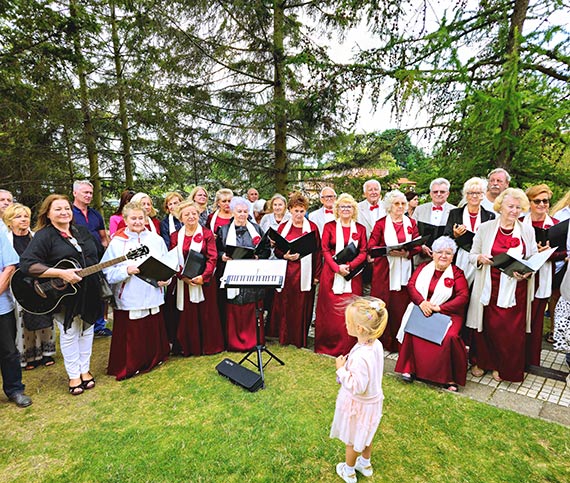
[(9, 355)]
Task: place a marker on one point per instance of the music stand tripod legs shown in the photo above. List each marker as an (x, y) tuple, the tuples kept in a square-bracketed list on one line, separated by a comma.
[(260, 348)]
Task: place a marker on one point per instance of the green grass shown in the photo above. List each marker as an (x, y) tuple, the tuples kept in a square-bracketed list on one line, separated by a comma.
[(183, 422)]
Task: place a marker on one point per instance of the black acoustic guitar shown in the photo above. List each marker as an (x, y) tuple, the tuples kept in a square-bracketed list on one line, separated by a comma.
[(42, 295)]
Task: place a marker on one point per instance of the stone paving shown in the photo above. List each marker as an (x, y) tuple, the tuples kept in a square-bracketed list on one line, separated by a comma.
[(535, 396)]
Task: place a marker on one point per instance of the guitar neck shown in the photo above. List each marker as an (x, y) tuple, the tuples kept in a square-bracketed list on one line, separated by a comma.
[(100, 266)]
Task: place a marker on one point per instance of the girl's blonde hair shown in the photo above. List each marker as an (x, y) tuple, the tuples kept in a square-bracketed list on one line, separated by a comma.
[(369, 313)]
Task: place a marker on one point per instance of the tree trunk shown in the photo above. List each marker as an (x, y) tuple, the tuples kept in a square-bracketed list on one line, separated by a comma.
[(506, 148), (125, 139), (88, 128), (279, 101)]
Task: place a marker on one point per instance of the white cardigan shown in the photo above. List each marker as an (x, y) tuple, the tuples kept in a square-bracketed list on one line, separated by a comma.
[(482, 244)]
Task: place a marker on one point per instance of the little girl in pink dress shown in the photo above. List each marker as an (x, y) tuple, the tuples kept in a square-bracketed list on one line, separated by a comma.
[(359, 402)]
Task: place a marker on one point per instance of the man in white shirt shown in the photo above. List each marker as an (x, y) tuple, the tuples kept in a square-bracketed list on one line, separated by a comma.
[(432, 217), (370, 210), (499, 180), (325, 213), (6, 199)]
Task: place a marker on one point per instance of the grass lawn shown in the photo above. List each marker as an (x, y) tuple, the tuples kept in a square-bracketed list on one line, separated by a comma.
[(183, 422)]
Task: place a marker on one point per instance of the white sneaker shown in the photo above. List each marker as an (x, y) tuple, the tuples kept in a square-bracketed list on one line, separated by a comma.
[(363, 470), (341, 471)]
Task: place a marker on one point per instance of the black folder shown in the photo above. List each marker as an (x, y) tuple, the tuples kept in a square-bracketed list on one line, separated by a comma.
[(240, 253), (304, 245), (465, 241), (432, 328), (195, 264), (383, 251), (347, 254), (432, 231), (153, 271), (509, 264), (558, 234)]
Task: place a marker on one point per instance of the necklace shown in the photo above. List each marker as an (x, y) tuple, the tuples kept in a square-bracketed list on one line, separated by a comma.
[(473, 216), (506, 231)]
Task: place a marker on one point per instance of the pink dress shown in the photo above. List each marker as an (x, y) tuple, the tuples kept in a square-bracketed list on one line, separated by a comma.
[(359, 402)]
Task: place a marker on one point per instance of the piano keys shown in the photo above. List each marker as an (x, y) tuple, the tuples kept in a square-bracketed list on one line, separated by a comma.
[(254, 273)]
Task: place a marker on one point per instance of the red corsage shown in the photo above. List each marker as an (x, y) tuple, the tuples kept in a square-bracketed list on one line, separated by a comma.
[(449, 282), (63, 234), (410, 230), (198, 238), (256, 240), (515, 242), (355, 236)]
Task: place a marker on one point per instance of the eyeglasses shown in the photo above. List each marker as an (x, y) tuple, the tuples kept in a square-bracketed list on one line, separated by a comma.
[(439, 192), (538, 202), (474, 193), (328, 197), (345, 207)]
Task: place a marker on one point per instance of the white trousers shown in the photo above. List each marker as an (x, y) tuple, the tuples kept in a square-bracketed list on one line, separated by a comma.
[(76, 345)]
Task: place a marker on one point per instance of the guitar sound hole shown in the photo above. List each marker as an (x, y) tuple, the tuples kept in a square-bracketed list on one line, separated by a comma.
[(39, 290), (58, 284)]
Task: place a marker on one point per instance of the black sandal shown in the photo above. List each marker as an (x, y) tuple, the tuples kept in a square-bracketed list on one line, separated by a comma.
[(30, 366), (76, 390), (88, 383), (549, 337), (47, 361)]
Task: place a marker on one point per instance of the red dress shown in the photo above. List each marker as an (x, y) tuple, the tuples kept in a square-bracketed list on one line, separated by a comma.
[(293, 309), (137, 345), (199, 329), (396, 300), (330, 329), (427, 360), (501, 344), (534, 339)]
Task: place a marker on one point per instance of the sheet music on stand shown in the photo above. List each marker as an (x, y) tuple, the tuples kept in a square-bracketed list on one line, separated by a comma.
[(254, 273)]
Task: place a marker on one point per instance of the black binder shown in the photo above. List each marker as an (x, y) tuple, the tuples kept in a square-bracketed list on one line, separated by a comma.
[(195, 264), (347, 254), (432, 328), (153, 271), (383, 251), (509, 264), (465, 241), (304, 245), (432, 231), (240, 253)]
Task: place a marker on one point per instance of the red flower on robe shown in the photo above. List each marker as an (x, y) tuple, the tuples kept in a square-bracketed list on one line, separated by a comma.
[(410, 230), (515, 242), (449, 282), (355, 236), (256, 240), (198, 238)]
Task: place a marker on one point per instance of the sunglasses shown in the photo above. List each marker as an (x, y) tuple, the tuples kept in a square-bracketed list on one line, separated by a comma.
[(544, 201)]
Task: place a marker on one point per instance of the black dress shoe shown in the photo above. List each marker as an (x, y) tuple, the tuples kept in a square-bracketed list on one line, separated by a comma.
[(407, 377), (21, 400)]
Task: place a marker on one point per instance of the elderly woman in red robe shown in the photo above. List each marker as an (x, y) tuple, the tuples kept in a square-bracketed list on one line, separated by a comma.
[(436, 287)]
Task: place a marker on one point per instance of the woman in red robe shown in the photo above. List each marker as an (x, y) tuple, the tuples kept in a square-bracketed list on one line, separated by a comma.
[(335, 292), (390, 274), (437, 286), (500, 304), (293, 304), (241, 304), (199, 328), (539, 197)]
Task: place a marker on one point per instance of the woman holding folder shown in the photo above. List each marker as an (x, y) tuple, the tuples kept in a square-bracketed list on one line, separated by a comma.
[(335, 291), (139, 340), (436, 287), (390, 273), (199, 330), (293, 304), (538, 217), (500, 305), (241, 304)]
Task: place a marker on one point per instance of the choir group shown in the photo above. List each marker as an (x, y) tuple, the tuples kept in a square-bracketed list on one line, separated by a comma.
[(422, 261)]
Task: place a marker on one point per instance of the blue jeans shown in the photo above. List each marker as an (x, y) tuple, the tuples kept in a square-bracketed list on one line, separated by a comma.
[(9, 356)]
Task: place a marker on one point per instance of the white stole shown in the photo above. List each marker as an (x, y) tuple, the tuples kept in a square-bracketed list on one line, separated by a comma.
[(544, 289), (195, 292), (171, 225), (462, 260), (441, 293), (213, 220), (231, 239), (400, 268), (340, 284), (307, 260), (507, 285)]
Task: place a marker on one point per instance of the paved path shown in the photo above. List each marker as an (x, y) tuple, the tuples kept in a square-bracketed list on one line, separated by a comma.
[(536, 396)]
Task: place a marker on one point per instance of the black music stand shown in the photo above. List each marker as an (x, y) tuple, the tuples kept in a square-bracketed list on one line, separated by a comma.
[(260, 348)]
